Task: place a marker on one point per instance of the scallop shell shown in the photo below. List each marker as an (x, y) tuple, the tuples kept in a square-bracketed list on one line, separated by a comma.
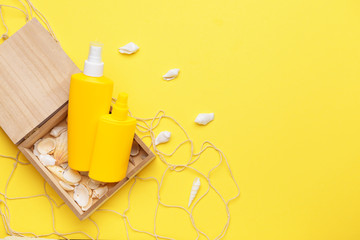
[(57, 171), (204, 118), (81, 195), (66, 186), (58, 130), (61, 151), (99, 192), (47, 160), (46, 146), (129, 48), (135, 149), (85, 181), (71, 176), (163, 137), (35, 151), (171, 74), (85, 208)]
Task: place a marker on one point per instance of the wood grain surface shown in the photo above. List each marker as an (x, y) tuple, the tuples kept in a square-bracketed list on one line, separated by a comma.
[(35, 78)]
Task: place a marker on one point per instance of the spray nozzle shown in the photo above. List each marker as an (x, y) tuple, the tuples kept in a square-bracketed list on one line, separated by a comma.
[(94, 67), (95, 52)]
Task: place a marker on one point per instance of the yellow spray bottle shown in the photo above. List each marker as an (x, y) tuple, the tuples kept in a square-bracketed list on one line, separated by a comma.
[(89, 98), (114, 138)]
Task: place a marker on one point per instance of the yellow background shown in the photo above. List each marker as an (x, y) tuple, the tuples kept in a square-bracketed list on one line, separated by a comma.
[(283, 80)]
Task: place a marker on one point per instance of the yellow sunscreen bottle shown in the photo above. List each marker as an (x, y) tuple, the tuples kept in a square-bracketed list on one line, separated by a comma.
[(89, 98), (114, 138)]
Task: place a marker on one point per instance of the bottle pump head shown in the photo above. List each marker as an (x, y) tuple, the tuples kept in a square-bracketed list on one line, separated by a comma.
[(94, 67), (120, 108)]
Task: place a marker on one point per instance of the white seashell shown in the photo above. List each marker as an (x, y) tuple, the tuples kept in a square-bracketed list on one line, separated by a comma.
[(85, 181), (135, 149), (35, 151), (93, 184), (204, 118), (58, 130), (81, 195), (46, 146), (66, 186), (64, 165), (163, 137), (194, 190), (85, 208), (57, 171), (99, 192), (61, 150), (46, 160), (129, 48), (71, 176), (171, 74)]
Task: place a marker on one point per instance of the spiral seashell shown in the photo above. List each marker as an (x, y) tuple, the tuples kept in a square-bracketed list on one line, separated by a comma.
[(129, 48), (163, 137), (204, 118), (194, 190), (171, 74)]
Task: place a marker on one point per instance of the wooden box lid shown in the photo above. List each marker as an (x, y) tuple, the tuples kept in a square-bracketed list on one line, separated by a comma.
[(35, 79)]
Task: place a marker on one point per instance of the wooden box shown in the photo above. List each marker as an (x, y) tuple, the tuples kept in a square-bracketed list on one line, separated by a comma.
[(35, 78)]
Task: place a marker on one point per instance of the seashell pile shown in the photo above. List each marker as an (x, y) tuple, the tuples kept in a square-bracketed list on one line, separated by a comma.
[(53, 154)]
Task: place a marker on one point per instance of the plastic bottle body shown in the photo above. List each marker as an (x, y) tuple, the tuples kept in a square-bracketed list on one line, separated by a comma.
[(112, 148), (89, 98)]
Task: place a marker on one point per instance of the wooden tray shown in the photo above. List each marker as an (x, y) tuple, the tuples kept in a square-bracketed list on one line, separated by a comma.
[(35, 76)]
